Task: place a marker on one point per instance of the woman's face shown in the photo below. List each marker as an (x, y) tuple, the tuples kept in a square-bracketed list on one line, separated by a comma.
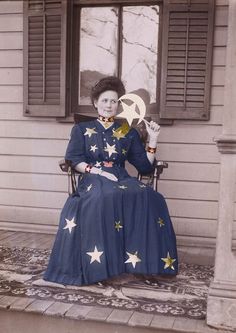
[(107, 103)]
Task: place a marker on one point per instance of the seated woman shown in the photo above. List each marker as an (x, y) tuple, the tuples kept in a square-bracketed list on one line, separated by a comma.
[(113, 223)]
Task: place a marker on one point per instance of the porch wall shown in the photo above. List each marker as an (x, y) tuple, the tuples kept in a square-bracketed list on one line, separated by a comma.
[(191, 183), (32, 188)]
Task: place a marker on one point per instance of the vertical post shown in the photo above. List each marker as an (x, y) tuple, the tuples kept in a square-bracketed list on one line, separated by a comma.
[(221, 306)]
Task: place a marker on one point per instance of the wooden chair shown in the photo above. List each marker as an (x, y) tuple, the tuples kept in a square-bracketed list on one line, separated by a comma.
[(149, 179)]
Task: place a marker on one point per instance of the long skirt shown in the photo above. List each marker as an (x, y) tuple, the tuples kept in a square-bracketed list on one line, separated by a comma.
[(108, 228)]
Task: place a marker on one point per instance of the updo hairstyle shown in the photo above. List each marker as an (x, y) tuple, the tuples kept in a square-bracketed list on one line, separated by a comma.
[(107, 83)]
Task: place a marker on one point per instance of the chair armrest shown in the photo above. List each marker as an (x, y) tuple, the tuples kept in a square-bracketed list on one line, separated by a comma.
[(64, 165), (159, 166)]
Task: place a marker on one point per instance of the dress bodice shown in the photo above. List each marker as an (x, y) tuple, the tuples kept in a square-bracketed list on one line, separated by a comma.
[(92, 143)]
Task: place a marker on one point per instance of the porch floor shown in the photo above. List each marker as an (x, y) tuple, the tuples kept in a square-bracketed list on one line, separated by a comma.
[(18, 314)]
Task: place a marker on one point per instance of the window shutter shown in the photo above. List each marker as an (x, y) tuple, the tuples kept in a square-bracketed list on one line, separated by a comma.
[(186, 59), (44, 57)]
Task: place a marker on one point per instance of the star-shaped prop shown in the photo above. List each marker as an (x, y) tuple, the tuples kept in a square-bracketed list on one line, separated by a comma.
[(70, 224), (95, 255), (129, 112), (90, 131), (118, 226), (133, 258), (93, 148), (168, 262), (110, 149)]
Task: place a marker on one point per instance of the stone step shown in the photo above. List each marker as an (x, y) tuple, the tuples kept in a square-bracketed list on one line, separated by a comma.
[(20, 315)]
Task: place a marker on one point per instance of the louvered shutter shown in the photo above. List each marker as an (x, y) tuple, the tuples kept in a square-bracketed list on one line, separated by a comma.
[(186, 59), (44, 57)]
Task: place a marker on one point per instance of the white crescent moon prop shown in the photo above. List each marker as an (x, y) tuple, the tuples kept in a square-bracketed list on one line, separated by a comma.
[(129, 111)]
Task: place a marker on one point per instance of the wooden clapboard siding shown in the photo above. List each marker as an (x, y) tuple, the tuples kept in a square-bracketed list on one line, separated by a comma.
[(197, 227), (11, 7), (219, 56), (29, 227), (190, 171), (11, 22), (188, 153), (189, 190), (35, 182), (193, 209), (37, 147), (14, 112), (11, 41), (30, 164), (32, 129), (11, 93), (11, 58), (27, 198), (11, 76), (29, 215)]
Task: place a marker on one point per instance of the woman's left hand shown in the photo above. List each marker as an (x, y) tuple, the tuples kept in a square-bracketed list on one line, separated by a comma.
[(153, 130)]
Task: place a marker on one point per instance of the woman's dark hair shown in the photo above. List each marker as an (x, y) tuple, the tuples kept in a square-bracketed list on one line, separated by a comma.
[(107, 83)]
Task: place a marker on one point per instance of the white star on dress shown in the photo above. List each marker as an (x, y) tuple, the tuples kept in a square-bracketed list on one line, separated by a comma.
[(70, 224), (123, 187), (89, 187), (98, 164), (93, 148), (90, 131), (95, 255), (133, 259), (110, 149), (129, 112)]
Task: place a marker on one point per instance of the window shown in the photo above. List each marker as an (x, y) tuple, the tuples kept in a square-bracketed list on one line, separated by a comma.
[(160, 49), (115, 40)]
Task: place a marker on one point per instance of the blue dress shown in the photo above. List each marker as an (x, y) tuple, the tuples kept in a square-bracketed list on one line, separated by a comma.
[(108, 228)]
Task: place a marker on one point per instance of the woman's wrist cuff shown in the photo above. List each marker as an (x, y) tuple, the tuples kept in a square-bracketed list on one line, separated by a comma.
[(88, 168), (151, 150)]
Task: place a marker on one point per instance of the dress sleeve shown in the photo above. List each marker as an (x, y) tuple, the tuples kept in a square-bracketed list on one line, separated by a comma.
[(137, 154), (75, 151)]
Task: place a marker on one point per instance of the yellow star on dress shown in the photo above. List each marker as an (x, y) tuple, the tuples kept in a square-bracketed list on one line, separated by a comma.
[(118, 226), (133, 258), (90, 131), (118, 134), (70, 224), (110, 149), (124, 151), (168, 261), (93, 148), (161, 222), (95, 255)]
